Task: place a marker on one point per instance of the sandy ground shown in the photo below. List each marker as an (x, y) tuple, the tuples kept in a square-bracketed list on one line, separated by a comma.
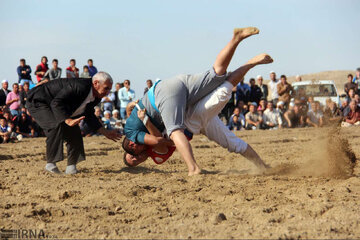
[(311, 192)]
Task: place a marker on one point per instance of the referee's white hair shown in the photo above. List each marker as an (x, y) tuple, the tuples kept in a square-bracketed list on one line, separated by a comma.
[(102, 77)]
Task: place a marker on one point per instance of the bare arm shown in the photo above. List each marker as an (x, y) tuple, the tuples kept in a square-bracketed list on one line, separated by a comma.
[(184, 147)]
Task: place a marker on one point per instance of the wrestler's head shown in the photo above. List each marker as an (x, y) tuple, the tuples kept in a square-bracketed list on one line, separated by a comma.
[(132, 161), (133, 148)]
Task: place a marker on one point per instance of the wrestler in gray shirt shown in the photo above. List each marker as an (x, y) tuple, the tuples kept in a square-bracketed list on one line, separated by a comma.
[(172, 96)]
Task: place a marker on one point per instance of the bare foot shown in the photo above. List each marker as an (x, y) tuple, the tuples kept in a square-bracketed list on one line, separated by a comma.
[(261, 59), (242, 33), (197, 171)]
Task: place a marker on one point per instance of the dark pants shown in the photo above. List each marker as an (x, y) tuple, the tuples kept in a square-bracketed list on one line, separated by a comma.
[(57, 134)]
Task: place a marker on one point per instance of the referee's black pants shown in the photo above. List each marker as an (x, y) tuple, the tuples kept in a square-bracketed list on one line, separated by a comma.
[(56, 135)]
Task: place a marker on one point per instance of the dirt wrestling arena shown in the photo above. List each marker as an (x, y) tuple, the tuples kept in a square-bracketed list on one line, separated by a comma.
[(312, 191)]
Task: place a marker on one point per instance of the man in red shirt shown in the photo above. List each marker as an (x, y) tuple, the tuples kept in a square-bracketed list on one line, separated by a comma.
[(41, 69), (353, 117)]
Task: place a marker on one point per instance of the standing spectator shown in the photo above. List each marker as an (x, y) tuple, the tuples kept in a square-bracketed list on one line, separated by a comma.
[(349, 85), (273, 87), (24, 72), (294, 118), (298, 78), (126, 95), (149, 84), (72, 71), (315, 116), (116, 93), (4, 92), (255, 92), (263, 87), (23, 94), (353, 117), (356, 79), (237, 120), (272, 117), (285, 90), (54, 72), (253, 118), (92, 68), (41, 69), (108, 102), (242, 92), (13, 100), (85, 73)]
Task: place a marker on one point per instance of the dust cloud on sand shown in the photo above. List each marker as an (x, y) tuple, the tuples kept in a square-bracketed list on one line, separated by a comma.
[(329, 154), (312, 192)]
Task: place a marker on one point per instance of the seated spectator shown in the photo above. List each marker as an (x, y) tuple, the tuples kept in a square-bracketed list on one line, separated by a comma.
[(149, 84), (116, 117), (350, 96), (54, 72), (293, 118), (92, 69), (72, 71), (236, 120), (23, 72), (262, 106), (353, 118), (97, 112), (41, 69), (85, 73), (13, 100), (108, 121), (349, 85), (108, 102), (243, 108), (332, 113), (315, 116), (272, 117), (310, 101), (253, 118), (285, 91), (24, 126), (23, 94), (5, 131), (344, 108), (255, 92)]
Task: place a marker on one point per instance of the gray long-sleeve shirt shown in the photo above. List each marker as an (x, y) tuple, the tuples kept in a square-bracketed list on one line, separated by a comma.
[(53, 74)]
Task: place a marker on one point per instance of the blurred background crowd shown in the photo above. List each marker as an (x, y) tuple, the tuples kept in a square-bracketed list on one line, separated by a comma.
[(253, 106)]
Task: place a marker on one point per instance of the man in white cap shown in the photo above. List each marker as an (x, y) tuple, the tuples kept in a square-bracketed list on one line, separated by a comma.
[(273, 87), (298, 78), (4, 92), (263, 87)]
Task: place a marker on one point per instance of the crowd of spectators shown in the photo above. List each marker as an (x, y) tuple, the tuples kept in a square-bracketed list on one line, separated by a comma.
[(253, 106), (289, 108), (16, 121)]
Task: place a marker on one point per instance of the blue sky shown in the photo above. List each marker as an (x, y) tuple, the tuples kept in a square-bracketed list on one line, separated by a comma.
[(138, 40)]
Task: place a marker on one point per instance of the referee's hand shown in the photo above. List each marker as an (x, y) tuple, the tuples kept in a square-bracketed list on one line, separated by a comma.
[(73, 122)]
